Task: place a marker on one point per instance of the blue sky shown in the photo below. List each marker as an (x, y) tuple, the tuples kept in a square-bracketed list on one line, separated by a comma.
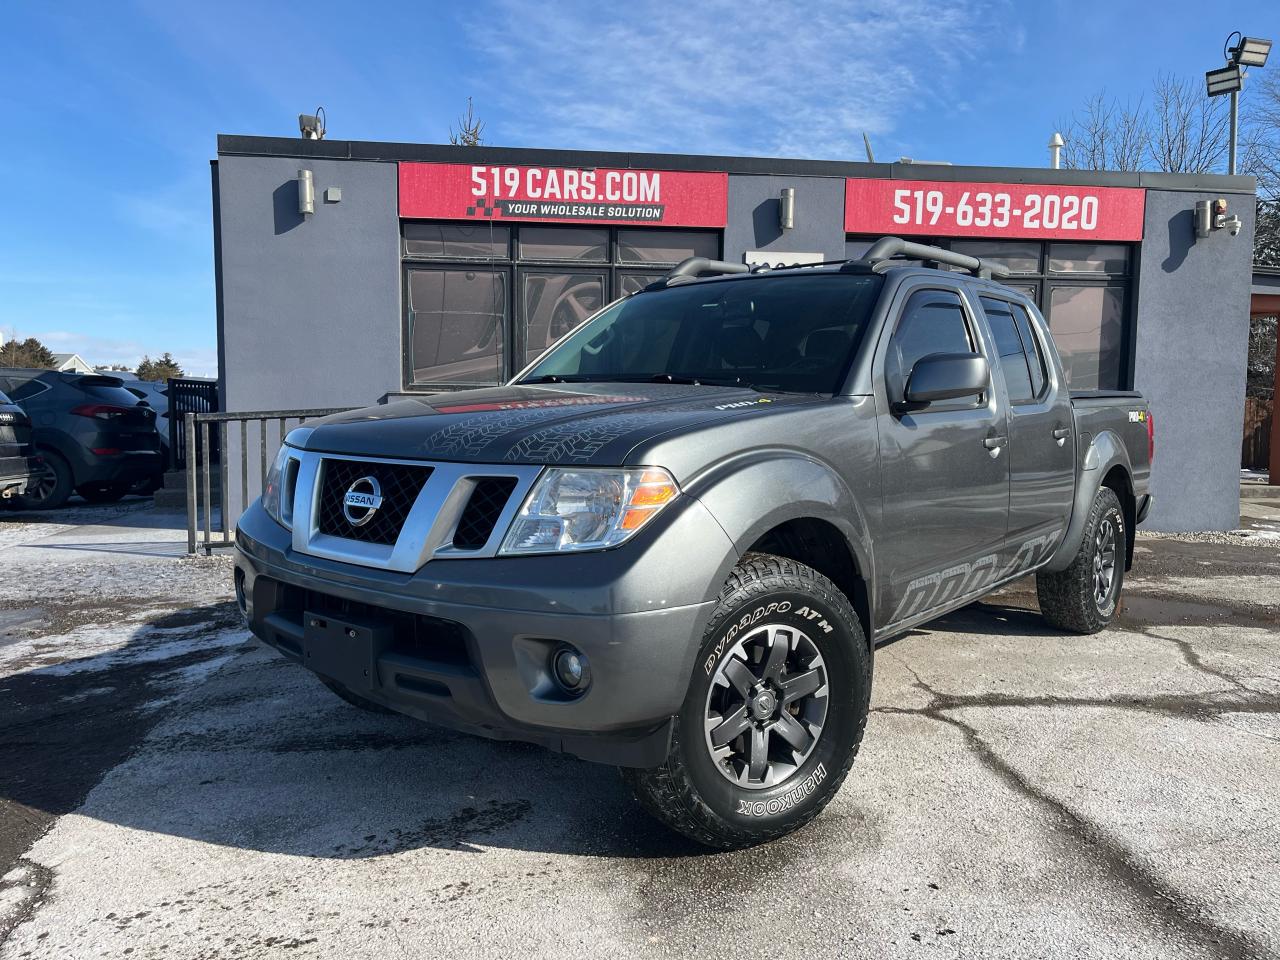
[(109, 111)]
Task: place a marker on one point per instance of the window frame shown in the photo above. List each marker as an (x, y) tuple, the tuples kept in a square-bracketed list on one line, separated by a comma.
[(976, 343), (1039, 396), (513, 320)]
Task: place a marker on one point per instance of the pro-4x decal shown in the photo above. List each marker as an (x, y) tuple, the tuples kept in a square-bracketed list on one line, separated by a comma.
[(936, 589)]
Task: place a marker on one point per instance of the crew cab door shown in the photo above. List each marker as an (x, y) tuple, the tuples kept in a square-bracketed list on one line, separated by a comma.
[(944, 474), (1041, 445)]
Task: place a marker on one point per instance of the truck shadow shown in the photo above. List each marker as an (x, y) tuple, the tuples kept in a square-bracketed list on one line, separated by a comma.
[(990, 617), (192, 729)]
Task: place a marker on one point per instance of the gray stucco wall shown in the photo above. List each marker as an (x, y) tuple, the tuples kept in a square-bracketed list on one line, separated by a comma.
[(753, 216), (329, 284), (1189, 359), (310, 308)]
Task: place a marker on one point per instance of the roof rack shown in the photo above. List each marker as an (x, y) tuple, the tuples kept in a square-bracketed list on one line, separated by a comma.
[(694, 268), (878, 258), (881, 253)]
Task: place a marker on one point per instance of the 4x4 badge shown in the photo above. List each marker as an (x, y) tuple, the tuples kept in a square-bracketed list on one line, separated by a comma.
[(361, 501)]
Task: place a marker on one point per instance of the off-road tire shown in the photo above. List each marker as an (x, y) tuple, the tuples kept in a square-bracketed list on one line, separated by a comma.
[(60, 489), (687, 792), (354, 698), (1067, 597)]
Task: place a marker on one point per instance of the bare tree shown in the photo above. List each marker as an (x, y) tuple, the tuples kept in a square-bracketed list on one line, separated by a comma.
[(1189, 130), (1179, 131), (1106, 135), (470, 129), (1260, 146)]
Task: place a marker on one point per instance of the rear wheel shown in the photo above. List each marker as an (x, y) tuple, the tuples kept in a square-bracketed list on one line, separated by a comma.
[(774, 713), (1083, 598), (50, 487)]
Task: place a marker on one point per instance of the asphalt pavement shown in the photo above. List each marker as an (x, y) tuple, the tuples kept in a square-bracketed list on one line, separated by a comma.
[(169, 788)]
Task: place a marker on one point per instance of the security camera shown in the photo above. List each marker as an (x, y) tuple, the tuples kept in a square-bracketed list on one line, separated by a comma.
[(1232, 223)]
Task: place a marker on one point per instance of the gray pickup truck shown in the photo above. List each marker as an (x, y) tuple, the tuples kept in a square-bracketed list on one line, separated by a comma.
[(673, 541)]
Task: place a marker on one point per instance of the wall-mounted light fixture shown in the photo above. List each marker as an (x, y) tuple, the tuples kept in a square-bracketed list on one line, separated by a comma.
[(1212, 215), (787, 208), (306, 193)]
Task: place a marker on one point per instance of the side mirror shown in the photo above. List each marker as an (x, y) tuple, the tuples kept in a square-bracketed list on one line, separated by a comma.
[(947, 376)]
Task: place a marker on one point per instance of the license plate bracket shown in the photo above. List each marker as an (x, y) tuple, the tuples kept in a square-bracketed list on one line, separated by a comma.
[(344, 649)]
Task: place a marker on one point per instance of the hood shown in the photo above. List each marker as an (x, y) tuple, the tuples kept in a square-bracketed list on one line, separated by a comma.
[(595, 423)]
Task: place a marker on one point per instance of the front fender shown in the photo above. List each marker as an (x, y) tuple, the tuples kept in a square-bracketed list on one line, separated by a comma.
[(1105, 450), (760, 490)]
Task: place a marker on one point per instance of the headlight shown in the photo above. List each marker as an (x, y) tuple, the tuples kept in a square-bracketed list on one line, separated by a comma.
[(588, 509), (279, 507)]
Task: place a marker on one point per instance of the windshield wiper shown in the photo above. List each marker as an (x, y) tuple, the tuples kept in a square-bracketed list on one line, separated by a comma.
[(559, 378), (676, 378)]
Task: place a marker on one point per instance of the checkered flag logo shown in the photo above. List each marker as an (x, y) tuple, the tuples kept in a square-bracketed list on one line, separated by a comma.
[(484, 207)]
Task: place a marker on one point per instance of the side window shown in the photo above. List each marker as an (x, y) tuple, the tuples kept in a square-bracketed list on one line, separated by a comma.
[(932, 322), (1013, 361), (1031, 344), (26, 389)]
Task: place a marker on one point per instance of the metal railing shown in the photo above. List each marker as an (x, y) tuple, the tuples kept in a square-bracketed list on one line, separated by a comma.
[(241, 469), (187, 396)]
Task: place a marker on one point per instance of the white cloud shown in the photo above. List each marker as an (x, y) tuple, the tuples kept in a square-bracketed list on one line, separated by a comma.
[(780, 78)]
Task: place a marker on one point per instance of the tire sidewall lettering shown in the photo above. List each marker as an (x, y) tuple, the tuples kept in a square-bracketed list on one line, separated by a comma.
[(748, 619), (786, 801)]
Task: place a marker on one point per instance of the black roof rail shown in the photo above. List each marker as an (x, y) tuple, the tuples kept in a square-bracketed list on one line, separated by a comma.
[(882, 252), (692, 268)]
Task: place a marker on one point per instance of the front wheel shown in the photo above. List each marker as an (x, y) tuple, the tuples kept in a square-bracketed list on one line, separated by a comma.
[(774, 713), (1083, 598)]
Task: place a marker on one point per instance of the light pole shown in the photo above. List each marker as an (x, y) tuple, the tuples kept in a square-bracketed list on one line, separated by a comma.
[(1247, 52)]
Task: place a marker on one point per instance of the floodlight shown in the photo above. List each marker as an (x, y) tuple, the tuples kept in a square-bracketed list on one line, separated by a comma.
[(1223, 80), (1251, 52)]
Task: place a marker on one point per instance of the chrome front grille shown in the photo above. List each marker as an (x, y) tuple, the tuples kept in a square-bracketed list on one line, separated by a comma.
[(398, 483), (429, 510)]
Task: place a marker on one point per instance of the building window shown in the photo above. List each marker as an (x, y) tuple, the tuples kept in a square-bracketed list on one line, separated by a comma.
[(1087, 323), (456, 329), (483, 299), (1084, 291)]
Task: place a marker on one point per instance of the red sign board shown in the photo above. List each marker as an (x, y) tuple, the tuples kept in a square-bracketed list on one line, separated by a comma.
[(939, 208), (664, 198)]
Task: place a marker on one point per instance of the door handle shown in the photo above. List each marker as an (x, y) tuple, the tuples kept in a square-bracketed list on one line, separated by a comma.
[(1060, 434), (994, 443)]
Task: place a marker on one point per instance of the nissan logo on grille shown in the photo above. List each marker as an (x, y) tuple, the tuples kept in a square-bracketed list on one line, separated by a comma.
[(361, 501)]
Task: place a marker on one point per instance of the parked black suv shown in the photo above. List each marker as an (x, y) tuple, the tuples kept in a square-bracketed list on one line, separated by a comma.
[(93, 435), (17, 465)]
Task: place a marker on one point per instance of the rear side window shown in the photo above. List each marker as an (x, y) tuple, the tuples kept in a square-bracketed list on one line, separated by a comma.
[(1030, 343), (932, 322), (1013, 359), (26, 389)]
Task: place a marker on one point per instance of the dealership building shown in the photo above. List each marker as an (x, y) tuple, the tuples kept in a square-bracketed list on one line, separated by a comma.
[(351, 272)]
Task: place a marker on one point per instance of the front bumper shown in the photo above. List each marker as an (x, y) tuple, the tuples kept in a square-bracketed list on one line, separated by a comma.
[(466, 643)]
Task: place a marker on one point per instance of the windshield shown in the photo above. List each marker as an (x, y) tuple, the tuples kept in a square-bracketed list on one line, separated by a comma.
[(785, 333)]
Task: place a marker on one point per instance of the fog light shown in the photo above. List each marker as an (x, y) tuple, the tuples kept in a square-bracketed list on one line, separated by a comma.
[(571, 670)]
